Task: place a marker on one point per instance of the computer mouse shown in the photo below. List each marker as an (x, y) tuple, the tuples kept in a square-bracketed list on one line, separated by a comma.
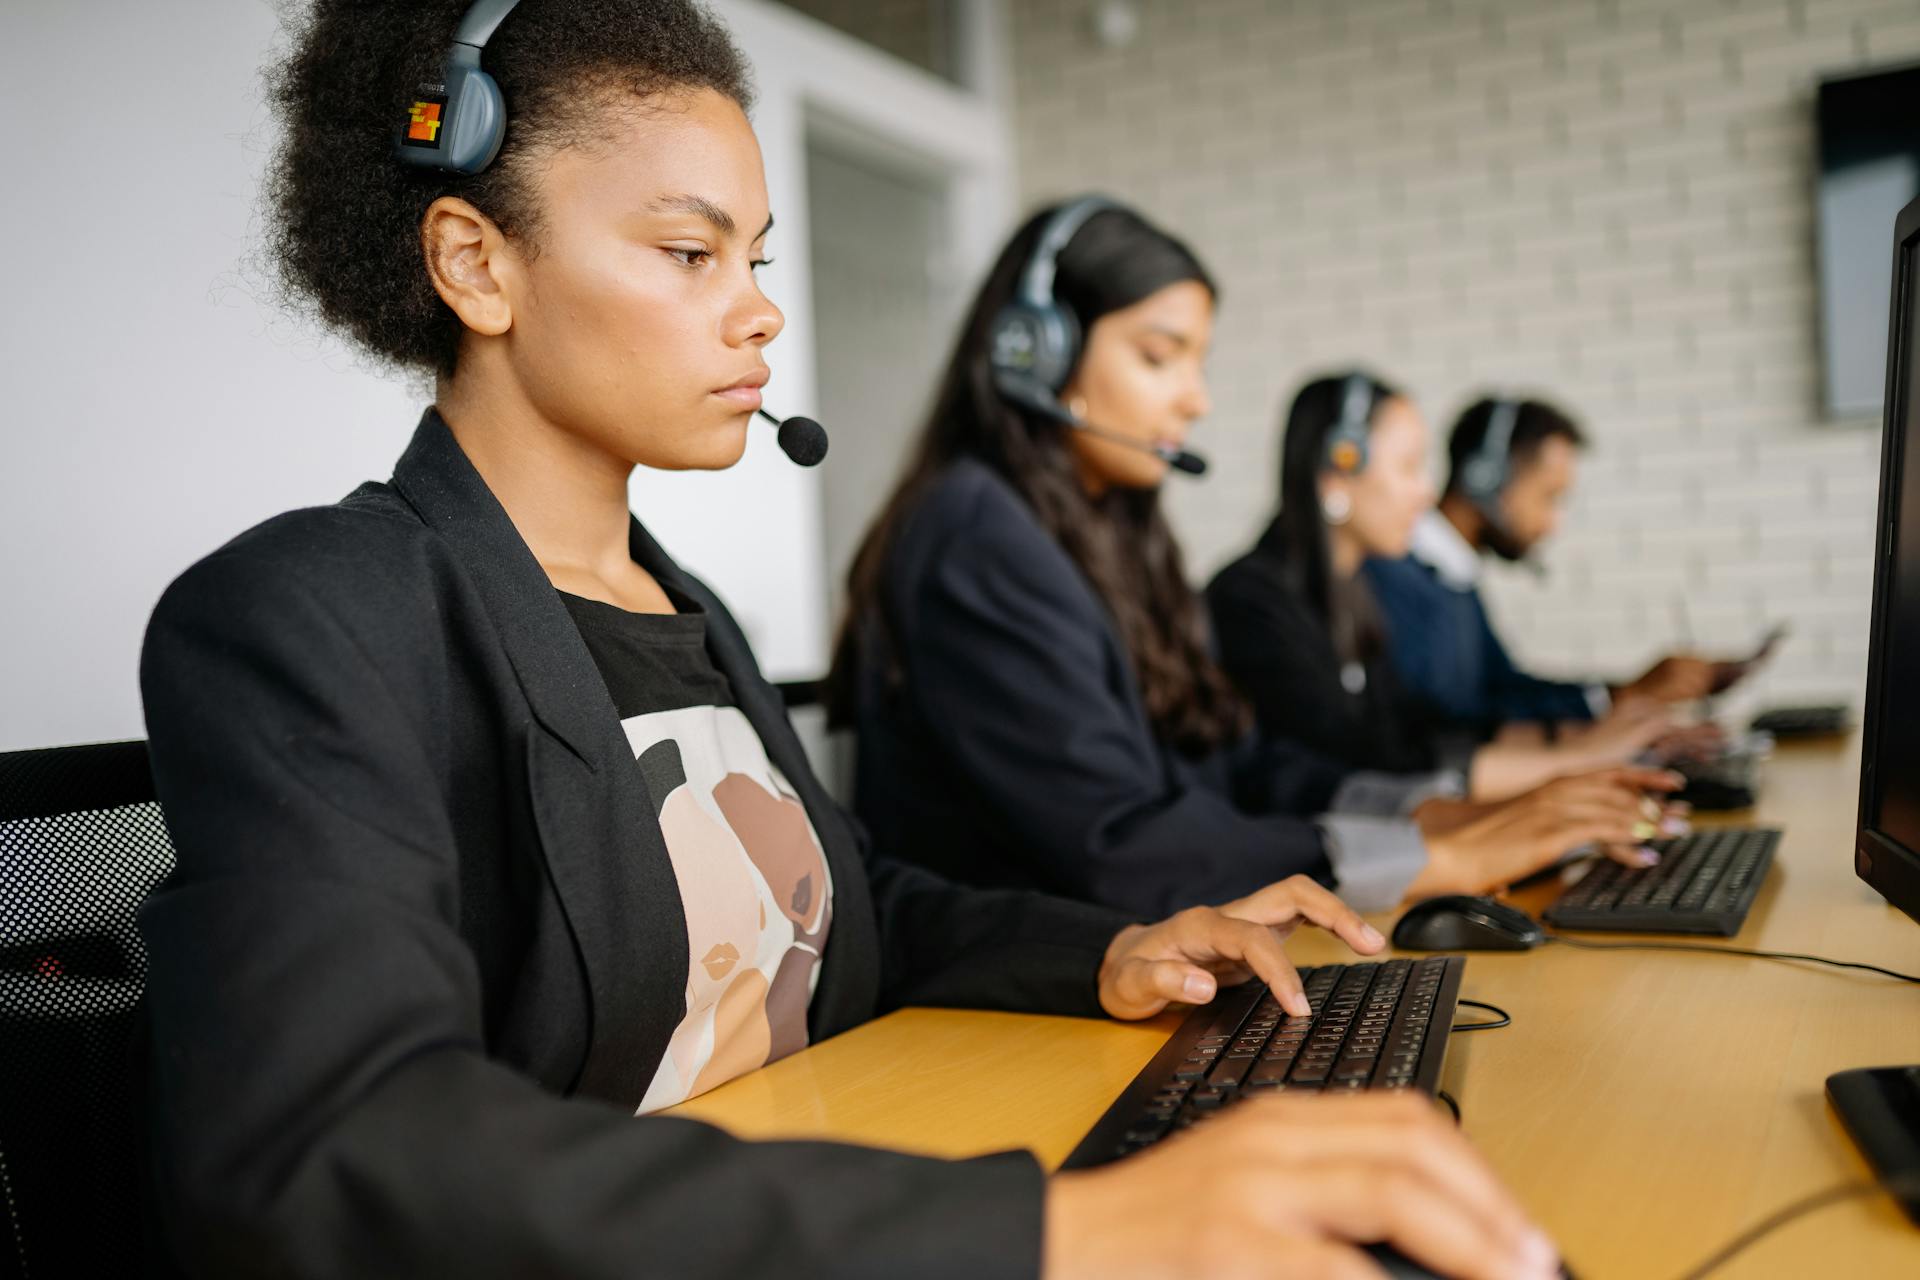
[(1462, 923), (1400, 1267)]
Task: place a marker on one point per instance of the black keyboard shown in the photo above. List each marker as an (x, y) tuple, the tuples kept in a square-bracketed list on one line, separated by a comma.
[(1374, 1026), (1703, 883), (1804, 722)]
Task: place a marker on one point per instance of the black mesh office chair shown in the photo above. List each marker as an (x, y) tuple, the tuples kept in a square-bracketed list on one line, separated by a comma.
[(81, 844)]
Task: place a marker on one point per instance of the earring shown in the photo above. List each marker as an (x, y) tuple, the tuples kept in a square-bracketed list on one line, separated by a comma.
[(1078, 408), (1337, 506)]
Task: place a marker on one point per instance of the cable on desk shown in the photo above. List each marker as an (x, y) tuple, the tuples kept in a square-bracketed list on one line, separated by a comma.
[(1504, 1020), (1724, 951), (1798, 1209), (1452, 1106)]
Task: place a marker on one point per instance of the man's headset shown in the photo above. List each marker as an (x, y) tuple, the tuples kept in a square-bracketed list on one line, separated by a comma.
[(1346, 449), (1034, 341), (457, 126), (1484, 474)]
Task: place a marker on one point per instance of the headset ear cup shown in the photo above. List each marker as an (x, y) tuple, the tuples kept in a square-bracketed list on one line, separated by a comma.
[(479, 120), (1015, 341), (1347, 456), (492, 107), (1059, 348), (1483, 480)]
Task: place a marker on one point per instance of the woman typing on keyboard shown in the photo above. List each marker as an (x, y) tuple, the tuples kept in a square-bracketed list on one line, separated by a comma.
[(493, 842), (1301, 636), (1030, 674)]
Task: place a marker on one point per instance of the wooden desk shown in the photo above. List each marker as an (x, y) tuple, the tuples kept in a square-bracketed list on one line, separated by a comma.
[(1647, 1106)]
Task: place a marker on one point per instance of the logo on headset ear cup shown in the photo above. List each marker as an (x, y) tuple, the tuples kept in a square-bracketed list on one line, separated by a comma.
[(1346, 456), (1014, 344), (424, 120), (1040, 343)]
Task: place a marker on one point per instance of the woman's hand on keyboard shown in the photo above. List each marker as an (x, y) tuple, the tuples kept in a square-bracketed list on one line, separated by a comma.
[(1294, 1185), (1187, 956), (1472, 848)]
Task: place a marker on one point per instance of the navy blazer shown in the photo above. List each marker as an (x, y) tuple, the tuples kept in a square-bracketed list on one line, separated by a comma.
[(424, 948), (1447, 653), (1002, 738)]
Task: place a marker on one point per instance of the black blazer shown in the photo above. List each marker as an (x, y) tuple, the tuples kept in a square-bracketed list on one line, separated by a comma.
[(1279, 650), (425, 948), (1002, 738)]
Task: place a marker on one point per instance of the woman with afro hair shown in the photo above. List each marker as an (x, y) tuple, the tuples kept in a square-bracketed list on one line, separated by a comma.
[(492, 840)]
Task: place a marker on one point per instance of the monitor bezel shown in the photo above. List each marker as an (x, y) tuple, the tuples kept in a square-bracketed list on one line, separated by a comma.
[(1883, 862)]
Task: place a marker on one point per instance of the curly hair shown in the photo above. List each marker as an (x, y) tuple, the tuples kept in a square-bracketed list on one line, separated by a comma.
[(345, 214)]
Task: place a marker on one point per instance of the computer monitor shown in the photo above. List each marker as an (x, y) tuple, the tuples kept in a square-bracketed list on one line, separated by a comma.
[(1887, 845)]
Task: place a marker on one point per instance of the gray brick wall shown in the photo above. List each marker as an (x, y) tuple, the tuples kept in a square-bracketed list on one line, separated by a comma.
[(1609, 201)]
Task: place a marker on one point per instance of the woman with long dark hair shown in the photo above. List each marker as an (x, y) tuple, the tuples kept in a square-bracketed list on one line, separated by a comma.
[(1029, 671), (492, 840), (1299, 631)]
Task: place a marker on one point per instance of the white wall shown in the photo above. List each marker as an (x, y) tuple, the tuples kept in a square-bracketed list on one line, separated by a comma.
[(880, 308), (153, 403), (1610, 200)]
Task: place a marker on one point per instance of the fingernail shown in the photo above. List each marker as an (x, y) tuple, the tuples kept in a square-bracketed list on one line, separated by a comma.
[(1645, 857), (1645, 831), (1650, 807), (1675, 826), (1372, 936), (1198, 987), (1540, 1253)]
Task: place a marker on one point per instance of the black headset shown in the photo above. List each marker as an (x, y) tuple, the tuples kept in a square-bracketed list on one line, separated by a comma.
[(457, 126), (1346, 448), (1484, 474), (1034, 341)]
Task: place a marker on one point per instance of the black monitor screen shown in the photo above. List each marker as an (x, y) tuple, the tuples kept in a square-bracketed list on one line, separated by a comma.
[(1894, 806), (1869, 168)]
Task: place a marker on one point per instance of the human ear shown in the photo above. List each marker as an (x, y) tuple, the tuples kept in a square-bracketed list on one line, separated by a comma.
[(470, 264)]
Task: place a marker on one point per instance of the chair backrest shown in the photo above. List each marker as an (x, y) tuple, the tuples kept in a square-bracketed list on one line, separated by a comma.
[(82, 842)]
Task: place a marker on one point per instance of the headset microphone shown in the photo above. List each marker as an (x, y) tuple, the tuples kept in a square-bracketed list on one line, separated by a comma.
[(1035, 398), (803, 440), (1179, 459), (1034, 340)]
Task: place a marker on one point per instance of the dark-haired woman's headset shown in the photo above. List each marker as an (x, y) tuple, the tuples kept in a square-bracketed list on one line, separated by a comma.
[(457, 127), (1346, 447), (1034, 341)]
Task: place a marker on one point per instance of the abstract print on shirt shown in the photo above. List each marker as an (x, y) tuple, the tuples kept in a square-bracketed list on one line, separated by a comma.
[(753, 878)]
